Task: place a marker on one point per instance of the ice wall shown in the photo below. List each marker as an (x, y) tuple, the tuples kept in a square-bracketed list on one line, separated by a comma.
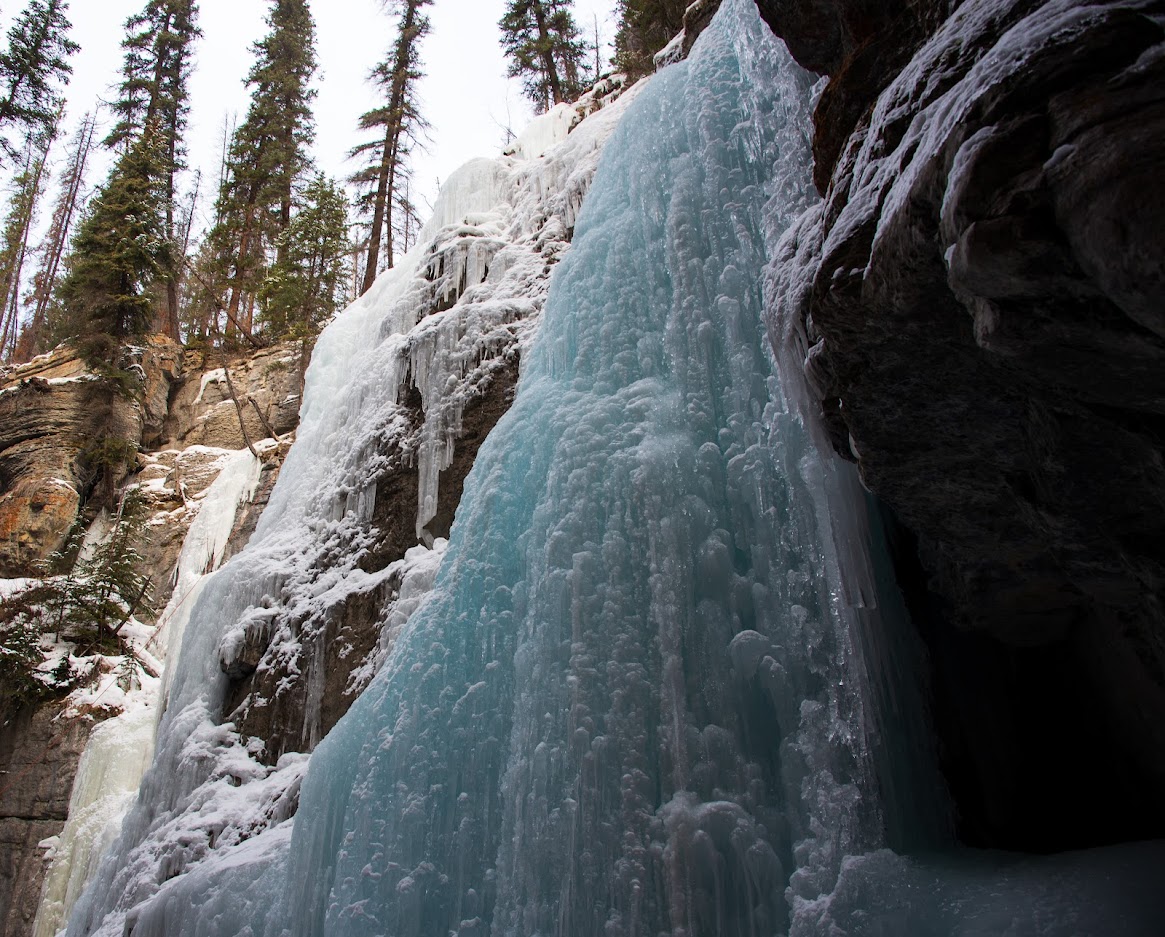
[(630, 704), (108, 776), (211, 822)]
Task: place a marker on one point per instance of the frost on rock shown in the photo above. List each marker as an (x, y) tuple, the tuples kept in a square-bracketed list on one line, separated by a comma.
[(264, 641)]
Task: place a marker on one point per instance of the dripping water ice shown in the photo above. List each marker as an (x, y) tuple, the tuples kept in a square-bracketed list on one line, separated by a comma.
[(119, 750)]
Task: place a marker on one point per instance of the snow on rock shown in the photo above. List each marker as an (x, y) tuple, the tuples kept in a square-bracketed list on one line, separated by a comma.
[(13, 586), (544, 131), (129, 695), (213, 376), (552, 128)]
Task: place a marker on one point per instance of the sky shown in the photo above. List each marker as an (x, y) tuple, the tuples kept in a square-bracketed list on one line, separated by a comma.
[(465, 95)]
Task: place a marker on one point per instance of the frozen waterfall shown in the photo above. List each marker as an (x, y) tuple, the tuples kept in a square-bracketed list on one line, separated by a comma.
[(637, 700), (630, 705)]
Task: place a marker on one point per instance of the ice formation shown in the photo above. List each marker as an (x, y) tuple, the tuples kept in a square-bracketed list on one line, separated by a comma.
[(637, 699), (630, 703), (108, 776), (119, 750), (469, 295)]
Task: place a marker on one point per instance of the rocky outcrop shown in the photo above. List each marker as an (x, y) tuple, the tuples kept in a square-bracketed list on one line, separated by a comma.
[(267, 385), (38, 759), (862, 45), (57, 423), (62, 428), (289, 702), (979, 302)]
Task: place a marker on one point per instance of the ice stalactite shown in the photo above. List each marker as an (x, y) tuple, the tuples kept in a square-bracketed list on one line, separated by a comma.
[(203, 549)]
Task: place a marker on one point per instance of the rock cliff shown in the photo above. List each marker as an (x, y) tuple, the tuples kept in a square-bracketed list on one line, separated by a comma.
[(174, 427), (979, 305), (38, 759)]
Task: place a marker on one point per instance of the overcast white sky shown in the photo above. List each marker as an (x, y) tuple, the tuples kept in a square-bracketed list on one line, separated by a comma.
[(465, 94)]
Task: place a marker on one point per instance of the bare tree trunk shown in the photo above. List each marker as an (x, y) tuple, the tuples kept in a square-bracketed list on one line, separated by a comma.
[(378, 211), (58, 239), (12, 318)]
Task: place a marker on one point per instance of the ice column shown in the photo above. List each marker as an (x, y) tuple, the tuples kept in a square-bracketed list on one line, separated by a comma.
[(119, 750)]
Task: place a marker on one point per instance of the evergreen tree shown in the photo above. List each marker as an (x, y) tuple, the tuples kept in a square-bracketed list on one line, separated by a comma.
[(120, 253), (35, 63), (88, 602), (112, 582), (267, 155), (305, 287), (398, 124), (159, 48), (545, 49), (645, 27)]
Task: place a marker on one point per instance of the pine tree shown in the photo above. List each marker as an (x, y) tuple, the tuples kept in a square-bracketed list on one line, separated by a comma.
[(399, 124), (645, 27), (267, 155), (159, 48), (545, 49), (38, 335), (35, 63), (112, 583), (305, 287), (120, 253)]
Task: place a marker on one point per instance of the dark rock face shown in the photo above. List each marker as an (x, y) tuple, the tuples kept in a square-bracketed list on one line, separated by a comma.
[(862, 45), (981, 302), (39, 754)]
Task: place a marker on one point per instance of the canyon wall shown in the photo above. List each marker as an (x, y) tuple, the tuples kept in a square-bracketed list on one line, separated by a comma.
[(979, 302)]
